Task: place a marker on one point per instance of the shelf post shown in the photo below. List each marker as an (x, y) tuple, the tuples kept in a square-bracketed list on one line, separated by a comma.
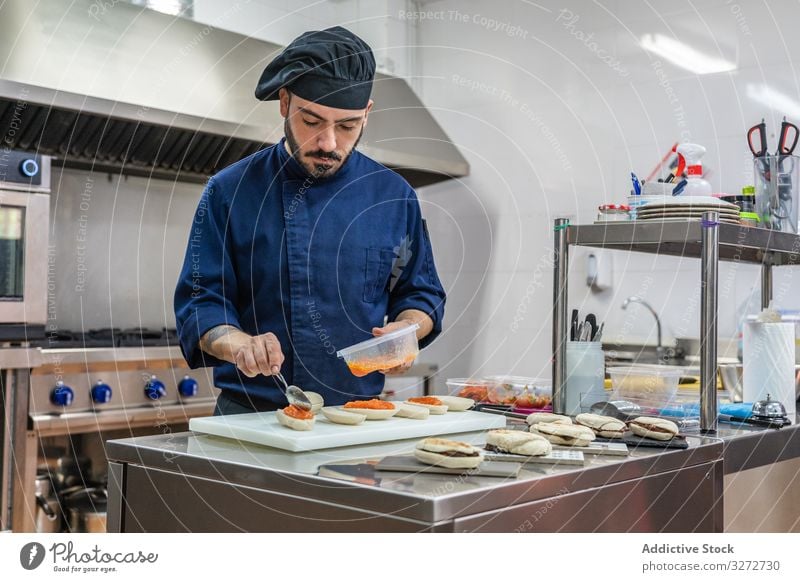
[(708, 320), (766, 281), (560, 268)]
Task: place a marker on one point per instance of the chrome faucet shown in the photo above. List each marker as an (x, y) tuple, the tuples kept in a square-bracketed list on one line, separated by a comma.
[(660, 352)]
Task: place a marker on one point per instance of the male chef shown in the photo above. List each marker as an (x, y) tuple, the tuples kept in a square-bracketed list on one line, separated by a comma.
[(307, 246)]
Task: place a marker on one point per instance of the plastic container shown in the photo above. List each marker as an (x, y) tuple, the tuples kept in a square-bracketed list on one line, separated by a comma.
[(520, 391), (650, 383), (475, 388), (777, 194), (660, 189), (585, 376), (613, 213), (382, 353)]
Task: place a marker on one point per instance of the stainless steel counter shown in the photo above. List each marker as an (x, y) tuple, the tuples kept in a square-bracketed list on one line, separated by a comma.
[(191, 482)]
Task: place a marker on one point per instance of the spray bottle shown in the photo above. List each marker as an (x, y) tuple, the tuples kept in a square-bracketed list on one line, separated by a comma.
[(695, 184)]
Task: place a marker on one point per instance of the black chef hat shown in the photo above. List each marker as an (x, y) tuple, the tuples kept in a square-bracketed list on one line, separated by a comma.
[(332, 67)]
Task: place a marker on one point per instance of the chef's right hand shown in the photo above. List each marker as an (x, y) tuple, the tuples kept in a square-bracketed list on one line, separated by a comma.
[(261, 354)]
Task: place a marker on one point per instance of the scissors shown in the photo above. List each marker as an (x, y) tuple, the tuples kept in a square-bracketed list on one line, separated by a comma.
[(757, 139), (780, 204)]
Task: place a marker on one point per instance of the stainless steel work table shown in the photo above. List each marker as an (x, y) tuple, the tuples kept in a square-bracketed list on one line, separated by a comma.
[(192, 482)]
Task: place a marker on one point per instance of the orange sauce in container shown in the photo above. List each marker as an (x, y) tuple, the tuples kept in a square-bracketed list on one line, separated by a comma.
[(363, 367), (298, 413), (430, 400), (374, 404)]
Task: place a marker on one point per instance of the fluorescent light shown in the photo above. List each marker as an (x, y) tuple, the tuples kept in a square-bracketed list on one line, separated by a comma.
[(172, 7), (684, 56), (775, 100)]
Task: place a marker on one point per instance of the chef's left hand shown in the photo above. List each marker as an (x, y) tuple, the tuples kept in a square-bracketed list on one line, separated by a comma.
[(388, 328)]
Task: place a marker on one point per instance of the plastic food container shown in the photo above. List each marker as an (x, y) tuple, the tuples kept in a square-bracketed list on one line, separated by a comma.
[(653, 383), (613, 213), (520, 391), (382, 353), (475, 388)]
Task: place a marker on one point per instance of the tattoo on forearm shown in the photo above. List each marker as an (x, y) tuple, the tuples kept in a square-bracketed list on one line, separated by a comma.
[(214, 334)]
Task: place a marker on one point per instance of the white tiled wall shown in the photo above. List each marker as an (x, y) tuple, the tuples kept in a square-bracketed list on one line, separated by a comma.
[(551, 131)]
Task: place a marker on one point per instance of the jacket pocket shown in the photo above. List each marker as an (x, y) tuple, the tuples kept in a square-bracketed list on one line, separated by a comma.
[(377, 270)]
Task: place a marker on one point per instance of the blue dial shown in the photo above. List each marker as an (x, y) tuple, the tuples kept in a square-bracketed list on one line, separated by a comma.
[(187, 387), (62, 395), (155, 389), (101, 393), (29, 167)]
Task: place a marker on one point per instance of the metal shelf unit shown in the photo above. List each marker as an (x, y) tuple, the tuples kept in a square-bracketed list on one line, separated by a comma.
[(709, 240)]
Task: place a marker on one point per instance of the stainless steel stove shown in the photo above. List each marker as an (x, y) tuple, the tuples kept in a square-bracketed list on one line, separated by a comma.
[(91, 383), (105, 371)]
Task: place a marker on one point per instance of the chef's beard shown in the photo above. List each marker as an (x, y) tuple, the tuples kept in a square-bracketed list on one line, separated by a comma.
[(316, 170)]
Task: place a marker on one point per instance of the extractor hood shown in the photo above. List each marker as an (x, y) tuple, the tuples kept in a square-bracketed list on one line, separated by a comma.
[(110, 86)]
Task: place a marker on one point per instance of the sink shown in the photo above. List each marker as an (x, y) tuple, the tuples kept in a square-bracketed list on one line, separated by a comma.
[(643, 354)]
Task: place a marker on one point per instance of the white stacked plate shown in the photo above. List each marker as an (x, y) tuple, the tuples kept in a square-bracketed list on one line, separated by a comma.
[(682, 208)]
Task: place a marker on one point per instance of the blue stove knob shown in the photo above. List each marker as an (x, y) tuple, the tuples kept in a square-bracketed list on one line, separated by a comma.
[(155, 389), (29, 167), (187, 387), (101, 393), (62, 395)]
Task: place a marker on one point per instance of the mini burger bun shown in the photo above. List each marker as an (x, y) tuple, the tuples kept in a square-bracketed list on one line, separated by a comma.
[(565, 434), (430, 451), (317, 402), (603, 426), (339, 416), (537, 417), (518, 442), (432, 408), (457, 403), (294, 423), (649, 427), (413, 411)]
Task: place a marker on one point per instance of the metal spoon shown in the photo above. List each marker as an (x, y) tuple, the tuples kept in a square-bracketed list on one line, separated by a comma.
[(294, 395)]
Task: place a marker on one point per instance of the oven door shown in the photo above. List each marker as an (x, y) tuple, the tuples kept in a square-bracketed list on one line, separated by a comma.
[(24, 224)]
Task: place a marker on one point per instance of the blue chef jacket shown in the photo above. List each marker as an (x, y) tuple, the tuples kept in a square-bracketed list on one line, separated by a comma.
[(319, 263)]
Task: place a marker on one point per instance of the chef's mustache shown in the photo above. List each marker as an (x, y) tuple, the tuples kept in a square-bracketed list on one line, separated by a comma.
[(325, 155)]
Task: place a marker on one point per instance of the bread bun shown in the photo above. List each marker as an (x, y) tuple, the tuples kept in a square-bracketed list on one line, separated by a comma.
[(649, 427), (603, 426), (373, 409), (432, 403), (448, 454), (414, 411), (517, 442), (339, 416), (294, 423), (374, 413), (317, 402), (457, 403), (545, 417), (565, 434)]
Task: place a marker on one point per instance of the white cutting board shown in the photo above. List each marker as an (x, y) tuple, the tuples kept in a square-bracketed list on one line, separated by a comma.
[(262, 428)]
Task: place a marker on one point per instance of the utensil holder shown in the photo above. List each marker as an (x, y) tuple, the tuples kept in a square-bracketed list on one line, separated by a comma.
[(585, 376), (776, 183)]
